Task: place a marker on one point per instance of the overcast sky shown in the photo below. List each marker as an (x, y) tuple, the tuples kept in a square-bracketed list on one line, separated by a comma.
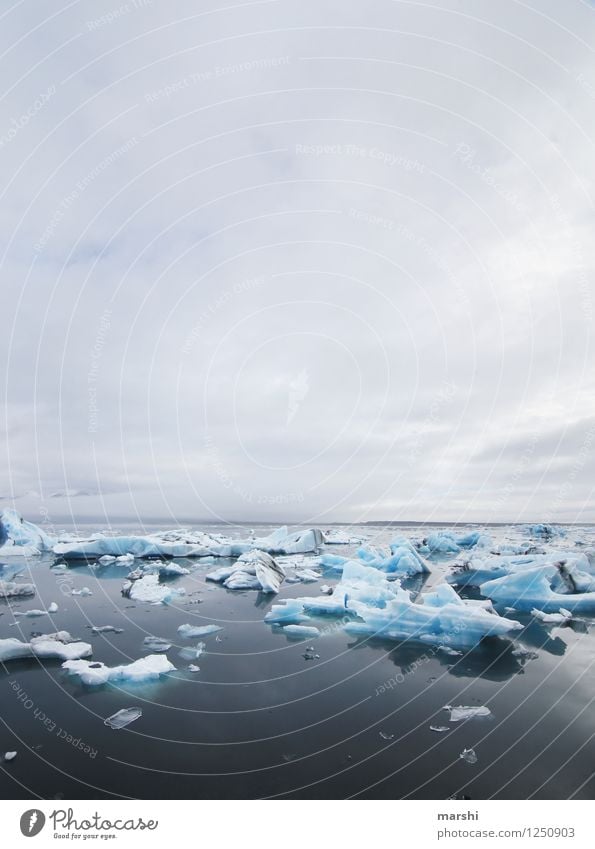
[(302, 261)]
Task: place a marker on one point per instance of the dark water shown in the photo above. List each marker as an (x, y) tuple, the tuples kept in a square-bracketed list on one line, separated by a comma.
[(260, 720)]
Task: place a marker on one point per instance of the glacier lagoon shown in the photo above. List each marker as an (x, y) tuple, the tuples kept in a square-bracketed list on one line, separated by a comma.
[(254, 710)]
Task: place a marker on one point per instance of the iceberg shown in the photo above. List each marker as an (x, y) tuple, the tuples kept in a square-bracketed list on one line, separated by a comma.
[(544, 531), (537, 588), (402, 559), (59, 645), (183, 543), (373, 606), (95, 674), (446, 542), (21, 538), (477, 571), (253, 570)]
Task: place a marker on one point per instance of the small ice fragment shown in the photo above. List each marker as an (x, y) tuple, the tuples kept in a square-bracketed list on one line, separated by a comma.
[(105, 629), (156, 644), (462, 712), (10, 756), (188, 631), (123, 717), (469, 756), (386, 736), (439, 728), (307, 655), (85, 591), (53, 608), (552, 618), (106, 558), (31, 613), (326, 589), (193, 668)]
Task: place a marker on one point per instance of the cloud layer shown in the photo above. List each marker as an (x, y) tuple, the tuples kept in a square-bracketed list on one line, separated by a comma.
[(295, 261)]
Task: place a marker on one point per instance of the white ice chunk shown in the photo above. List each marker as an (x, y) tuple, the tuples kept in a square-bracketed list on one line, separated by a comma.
[(552, 618), (150, 590), (84, 592), (146, 669), (343, 538), (10, 589), (188, 631), (9, 756), (462, 712), (304, 631), (59, 645)]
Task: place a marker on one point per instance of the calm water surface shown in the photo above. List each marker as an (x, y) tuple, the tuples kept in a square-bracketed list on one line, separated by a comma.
[(261, 720)]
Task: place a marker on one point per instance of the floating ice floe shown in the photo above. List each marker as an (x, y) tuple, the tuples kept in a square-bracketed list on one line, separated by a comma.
[(123, 717), (59, 645), (21, 538), (9, 756), (552, 618), (189, 631), (94, 674), (106, 629), (306, 632), (10, 589), (439, 729), (35, 612), (254, 570), (462, 712), (373, 606), (84, 592), (149, 589), (546, 588)]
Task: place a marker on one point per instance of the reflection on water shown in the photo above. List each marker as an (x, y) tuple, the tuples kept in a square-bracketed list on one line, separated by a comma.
[(266, 717)]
